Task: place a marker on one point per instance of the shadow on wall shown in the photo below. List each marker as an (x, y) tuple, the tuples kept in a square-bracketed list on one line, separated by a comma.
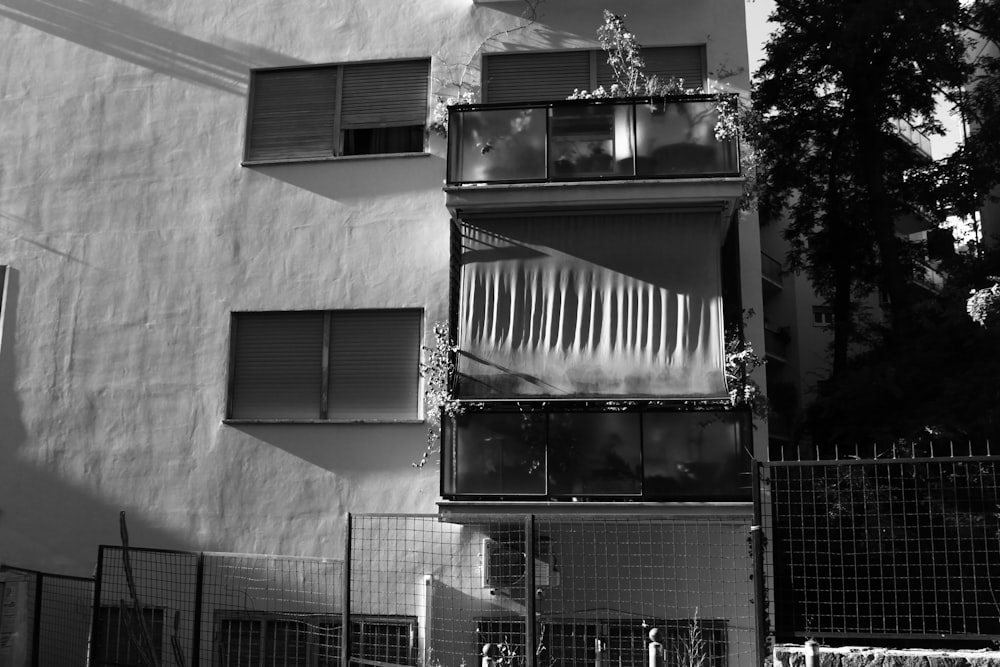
[(122, 32), (349, 449), (47, 523), (348, 180)]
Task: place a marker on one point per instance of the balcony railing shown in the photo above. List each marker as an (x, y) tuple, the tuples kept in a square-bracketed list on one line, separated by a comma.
[(771, 269), (583, 140)]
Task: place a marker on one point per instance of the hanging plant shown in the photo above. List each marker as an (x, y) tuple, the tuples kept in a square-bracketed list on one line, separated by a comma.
[(438, 371)]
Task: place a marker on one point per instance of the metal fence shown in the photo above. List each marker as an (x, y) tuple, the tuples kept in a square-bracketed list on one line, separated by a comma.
[(180, 609), (897, 545), (553, 590), (421, 590), (56, 615)]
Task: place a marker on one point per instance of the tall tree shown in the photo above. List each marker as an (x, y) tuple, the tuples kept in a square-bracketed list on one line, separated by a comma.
[(839, 79)]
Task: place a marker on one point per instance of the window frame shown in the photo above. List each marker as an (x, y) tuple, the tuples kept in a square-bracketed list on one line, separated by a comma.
[(337, 129), (822, 316), (108, 615), (324, 393), (331, 624)]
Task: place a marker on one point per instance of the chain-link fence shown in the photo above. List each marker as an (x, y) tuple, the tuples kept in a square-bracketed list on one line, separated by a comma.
[(879, 549), (552, 590), (53, 615)]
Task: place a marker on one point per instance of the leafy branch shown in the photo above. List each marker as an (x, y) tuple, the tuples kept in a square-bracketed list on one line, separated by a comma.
[(438, 371)]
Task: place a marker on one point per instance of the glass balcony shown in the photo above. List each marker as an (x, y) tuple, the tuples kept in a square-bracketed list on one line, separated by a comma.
[(574, 140), (556, 455)]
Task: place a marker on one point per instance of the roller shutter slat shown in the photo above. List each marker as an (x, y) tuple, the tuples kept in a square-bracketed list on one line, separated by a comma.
[(293, 114), (536, 77), (385, 94), (666, 62), (278, 366), (374, 364)]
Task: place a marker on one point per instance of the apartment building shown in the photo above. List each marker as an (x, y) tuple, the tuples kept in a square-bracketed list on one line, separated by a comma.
[(229, 232)]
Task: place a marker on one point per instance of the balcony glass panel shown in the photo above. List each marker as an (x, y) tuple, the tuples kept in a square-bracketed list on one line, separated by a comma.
[(669, 137), (693, 454), (577, 455), (497, 145), (678, 138), (590, 141), (594, 454), (500, 453)]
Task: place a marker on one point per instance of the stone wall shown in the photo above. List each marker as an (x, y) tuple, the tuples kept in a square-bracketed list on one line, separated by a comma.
[(793, 655)]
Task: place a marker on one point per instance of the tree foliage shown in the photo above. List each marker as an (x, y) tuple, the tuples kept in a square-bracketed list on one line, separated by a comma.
[(842, 85)]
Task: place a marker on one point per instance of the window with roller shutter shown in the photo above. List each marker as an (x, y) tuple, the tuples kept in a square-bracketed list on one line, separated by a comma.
[(338, 365), (327, 111), (553, 75)]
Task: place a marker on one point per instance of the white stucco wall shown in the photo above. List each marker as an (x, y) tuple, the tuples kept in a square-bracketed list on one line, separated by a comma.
[(131, 232)]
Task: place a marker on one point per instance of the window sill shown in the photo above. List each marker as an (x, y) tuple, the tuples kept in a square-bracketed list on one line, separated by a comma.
[(335, 158), (335, 422)]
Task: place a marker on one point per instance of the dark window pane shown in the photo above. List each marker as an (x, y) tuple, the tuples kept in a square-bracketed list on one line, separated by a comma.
[(594, 454), (693, 454), (377, 140), (500, 453)]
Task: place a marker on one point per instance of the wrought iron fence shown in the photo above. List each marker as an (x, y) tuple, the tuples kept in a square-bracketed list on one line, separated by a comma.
[(895, 545), (56, 615)]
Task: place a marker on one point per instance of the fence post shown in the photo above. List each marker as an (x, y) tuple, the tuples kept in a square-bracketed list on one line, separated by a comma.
[(95, 641), (757, 547), (530, 638), (812, 653), (199, 591), (345, 612), (36, 643), (656, 653)]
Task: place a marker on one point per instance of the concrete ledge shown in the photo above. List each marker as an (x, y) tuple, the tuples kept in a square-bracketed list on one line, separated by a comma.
[(794, 655)]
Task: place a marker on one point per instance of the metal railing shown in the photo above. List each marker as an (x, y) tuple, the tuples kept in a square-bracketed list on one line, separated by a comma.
[(878, 546), (574, 140), (771, 269)]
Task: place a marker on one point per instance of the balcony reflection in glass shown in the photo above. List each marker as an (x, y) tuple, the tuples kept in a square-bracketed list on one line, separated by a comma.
[(693, 454), (500, 453), (675, 138), (594, 454), (590, 141), (652, 456), (497, 145)]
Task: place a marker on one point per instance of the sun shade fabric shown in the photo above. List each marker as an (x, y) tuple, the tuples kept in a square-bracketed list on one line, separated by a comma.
[(292, 113), (385, 94), (278, 365), (374, 364), (535, 77), (599, 305), (546, 76), (666, 62)]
